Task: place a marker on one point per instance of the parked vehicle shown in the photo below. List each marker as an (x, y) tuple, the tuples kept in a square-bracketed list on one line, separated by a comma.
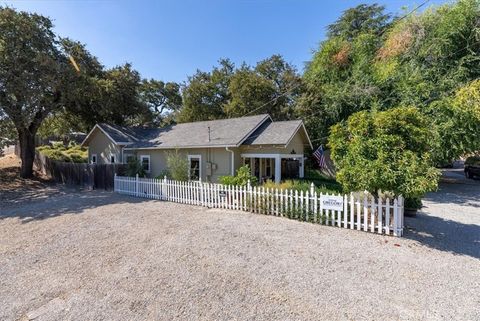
[(472, 166)]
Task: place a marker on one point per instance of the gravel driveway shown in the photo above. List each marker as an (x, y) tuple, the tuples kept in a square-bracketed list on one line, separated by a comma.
[(102, 256)]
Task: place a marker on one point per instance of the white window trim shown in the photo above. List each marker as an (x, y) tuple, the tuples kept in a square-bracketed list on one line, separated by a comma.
[(149, 164), (200, 165), (114, 158), (91, 159)]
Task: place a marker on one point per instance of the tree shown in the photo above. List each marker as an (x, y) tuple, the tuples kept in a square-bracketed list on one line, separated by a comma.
[(270, 87), (386, 151), (163, 99), (361, 19), (206, 93), (457, 121), (32, 69)]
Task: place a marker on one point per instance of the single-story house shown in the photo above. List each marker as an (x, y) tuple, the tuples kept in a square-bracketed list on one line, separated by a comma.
[(273, 150)]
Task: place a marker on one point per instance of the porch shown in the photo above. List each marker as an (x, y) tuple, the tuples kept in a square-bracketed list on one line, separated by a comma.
[(274, 166)]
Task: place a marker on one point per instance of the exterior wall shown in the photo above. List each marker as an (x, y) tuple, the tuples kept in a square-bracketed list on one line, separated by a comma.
[(298, 143), (219, 157), (103, 147)]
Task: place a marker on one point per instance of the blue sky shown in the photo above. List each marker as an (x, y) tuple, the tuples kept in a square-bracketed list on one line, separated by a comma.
[(169, 40)]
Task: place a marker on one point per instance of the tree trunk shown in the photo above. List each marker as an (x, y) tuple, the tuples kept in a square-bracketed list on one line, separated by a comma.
[(27, 152)]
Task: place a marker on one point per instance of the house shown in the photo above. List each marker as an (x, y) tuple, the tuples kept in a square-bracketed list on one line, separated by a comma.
[(273, 150)]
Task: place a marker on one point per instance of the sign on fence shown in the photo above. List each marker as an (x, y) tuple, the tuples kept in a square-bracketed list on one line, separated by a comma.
[(332, 202)]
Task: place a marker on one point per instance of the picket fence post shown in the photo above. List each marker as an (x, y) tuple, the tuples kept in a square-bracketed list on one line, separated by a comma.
[(136, 185), (361, 211)]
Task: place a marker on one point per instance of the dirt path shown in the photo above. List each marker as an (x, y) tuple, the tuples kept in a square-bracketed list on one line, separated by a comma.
[(101, 256)]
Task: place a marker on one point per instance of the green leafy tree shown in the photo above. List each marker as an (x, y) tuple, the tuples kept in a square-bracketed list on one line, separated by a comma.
[(457, 120), (33, 74), (206, 93), (385, 151), (363, 18), (162, 99), (272, 86)]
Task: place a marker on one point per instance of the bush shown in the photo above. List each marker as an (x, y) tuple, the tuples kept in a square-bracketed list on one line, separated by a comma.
[(387, 151), (134, 168), (177, 166), (413, 203), (242, 177), (299, 185), (58, 152)]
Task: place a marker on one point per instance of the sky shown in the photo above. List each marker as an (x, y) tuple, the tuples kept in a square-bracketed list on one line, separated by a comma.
[(170, 40)]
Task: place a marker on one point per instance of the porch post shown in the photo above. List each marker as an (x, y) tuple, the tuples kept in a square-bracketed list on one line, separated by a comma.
[(278, 169), (260, 170), (301, 169)]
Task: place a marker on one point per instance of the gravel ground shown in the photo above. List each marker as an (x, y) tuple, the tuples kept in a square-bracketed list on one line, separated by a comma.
[(102, 256)]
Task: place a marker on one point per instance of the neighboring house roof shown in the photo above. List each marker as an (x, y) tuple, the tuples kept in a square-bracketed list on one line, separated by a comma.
[(233, 132)]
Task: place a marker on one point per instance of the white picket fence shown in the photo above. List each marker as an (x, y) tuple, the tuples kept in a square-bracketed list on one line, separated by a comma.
[(360, 211)]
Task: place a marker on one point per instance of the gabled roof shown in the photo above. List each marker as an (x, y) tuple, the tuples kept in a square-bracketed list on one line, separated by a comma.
[(223, 133), (275, 133)]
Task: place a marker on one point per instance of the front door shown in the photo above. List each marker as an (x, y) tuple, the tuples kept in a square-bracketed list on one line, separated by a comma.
[(290, 168)]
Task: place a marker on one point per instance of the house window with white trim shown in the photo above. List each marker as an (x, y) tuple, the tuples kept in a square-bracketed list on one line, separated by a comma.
[(145, 160), (194, 167), (93, 159), (112, 158)]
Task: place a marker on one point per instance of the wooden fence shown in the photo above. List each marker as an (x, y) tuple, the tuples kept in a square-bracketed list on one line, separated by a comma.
[(358, 211), (91, 176)]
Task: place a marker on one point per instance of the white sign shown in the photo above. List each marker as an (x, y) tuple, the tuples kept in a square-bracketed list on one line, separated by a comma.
[(330, 202)]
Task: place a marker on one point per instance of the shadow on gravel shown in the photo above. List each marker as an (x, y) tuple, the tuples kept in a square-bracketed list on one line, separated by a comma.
[(65, 202), (444, 235), (458, 194)]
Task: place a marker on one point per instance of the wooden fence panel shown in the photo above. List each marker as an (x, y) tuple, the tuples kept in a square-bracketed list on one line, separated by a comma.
[(91, 176)]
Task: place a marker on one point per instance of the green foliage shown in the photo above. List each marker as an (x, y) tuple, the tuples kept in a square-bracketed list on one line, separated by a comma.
[(413, 203), (385, 151), (272, 86), (58, 152), (177, 165), (421, 60), (162, 99), (241, 178), (134, 168), (361, 19)]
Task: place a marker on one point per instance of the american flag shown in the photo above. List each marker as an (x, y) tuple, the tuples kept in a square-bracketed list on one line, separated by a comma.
[(320, 156)]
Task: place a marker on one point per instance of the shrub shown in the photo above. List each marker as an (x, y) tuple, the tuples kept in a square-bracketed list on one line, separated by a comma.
[(242, 177), (134, 168), (388, 151), (58, 152), (413, 203), (177, 165)]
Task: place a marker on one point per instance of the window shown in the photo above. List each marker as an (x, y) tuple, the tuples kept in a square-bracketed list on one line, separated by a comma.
[(93, 159), (145, 160), (194, 167), (112, 159)]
